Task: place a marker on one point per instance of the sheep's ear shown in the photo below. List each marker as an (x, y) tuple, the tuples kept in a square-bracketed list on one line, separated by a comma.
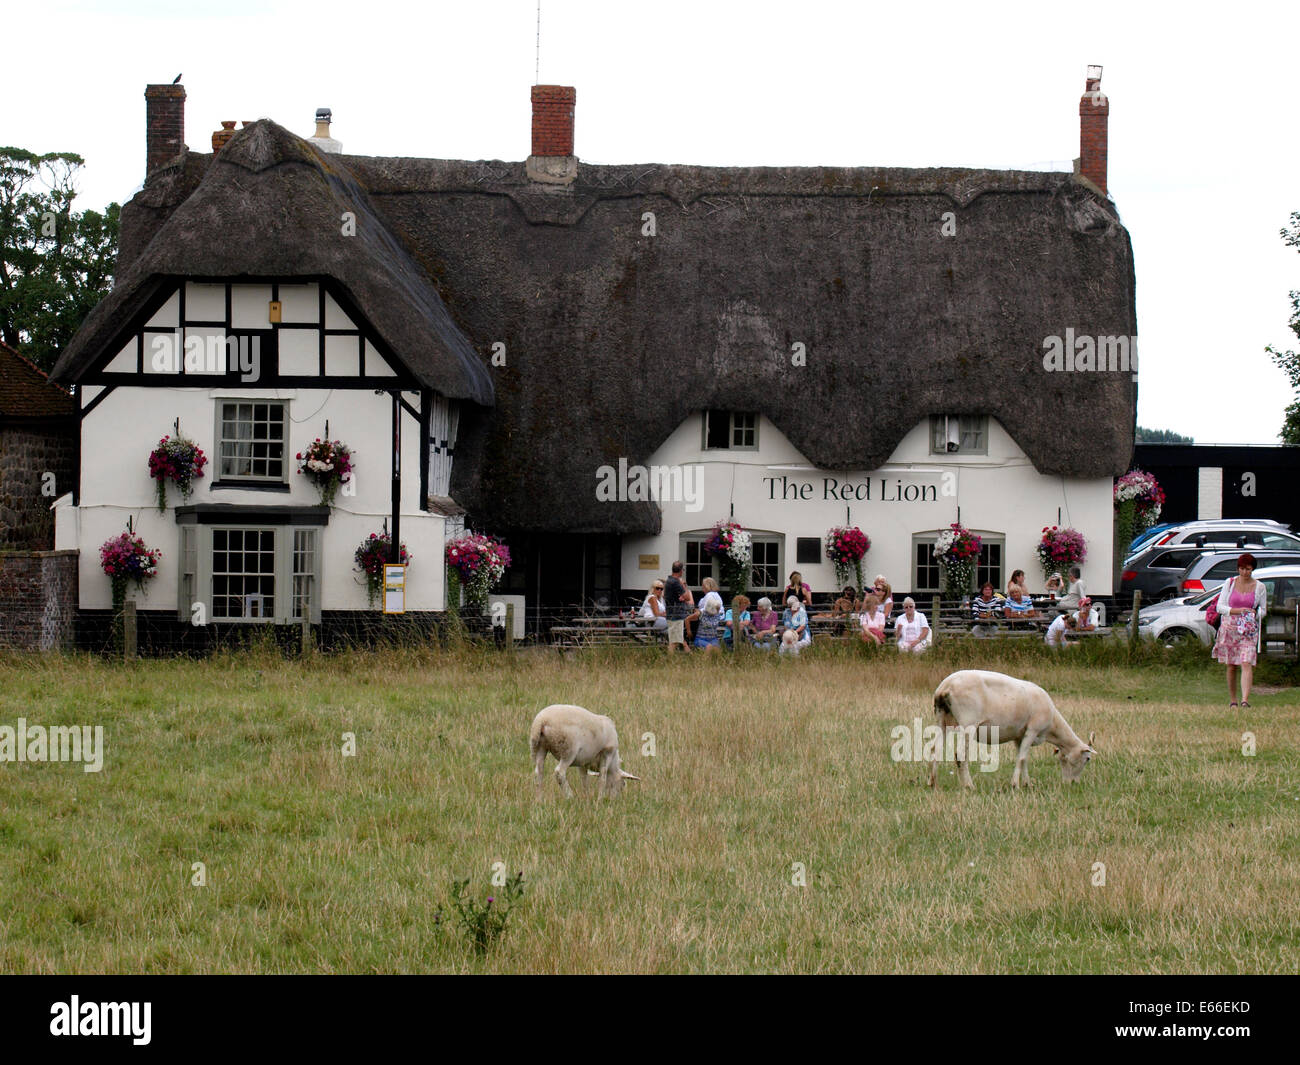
[(627, 775), (1092, 736), (593, 772)]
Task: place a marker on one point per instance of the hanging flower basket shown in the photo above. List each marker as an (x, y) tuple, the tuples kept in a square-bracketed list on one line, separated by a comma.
[(328, 464), (845, 547), (733, 547), (373, 553), (1138, 500), (126, 559), (957, 550), (1059, 549), (178, 460), (479, 562)]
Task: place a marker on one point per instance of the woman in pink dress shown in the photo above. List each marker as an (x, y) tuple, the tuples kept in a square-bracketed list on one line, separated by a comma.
[(1242, 604)]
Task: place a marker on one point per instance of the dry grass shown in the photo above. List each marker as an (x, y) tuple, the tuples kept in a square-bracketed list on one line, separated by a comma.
[(317, 862)]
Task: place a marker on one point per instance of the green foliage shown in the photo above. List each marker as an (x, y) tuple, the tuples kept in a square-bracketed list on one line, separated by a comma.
[(485, 922), (1161, 436), (1289, 361), (55, 263)]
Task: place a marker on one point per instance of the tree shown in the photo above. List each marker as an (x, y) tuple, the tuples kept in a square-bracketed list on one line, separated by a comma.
[(1161, 436), (55, 263), (1290, 360)]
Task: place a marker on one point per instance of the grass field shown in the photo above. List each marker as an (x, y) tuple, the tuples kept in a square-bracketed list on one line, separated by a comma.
[(320, 862)]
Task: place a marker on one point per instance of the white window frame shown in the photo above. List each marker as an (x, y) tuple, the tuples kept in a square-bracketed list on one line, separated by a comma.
[(926, 538), (769, 538), (965, 425), (732, 429), (286, 458), (283, 611)]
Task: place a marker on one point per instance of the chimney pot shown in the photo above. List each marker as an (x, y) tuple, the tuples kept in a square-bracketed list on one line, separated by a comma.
[(321, 138), (222, 136)]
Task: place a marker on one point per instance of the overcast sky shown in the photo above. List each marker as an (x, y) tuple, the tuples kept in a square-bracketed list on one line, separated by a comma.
[(1204, 162)]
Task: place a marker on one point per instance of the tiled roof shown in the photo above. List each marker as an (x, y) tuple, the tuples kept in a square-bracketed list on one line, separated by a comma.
[(25, 392)]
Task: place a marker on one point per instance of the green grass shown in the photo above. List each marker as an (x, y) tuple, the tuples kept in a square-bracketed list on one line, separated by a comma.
[(316, 862)]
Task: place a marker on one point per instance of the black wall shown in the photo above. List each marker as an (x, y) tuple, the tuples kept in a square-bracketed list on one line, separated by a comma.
[(1275, 470)]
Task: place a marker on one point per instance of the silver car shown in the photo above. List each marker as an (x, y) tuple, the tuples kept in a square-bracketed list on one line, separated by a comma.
[(1184, 619), (1212, 568)]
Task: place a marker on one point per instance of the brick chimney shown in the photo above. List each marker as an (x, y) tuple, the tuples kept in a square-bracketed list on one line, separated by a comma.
[(164, 124), (1094, 110), (552, 159)]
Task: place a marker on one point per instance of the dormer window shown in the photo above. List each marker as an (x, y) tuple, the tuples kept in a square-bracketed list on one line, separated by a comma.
[(960, 434), (728, 430)]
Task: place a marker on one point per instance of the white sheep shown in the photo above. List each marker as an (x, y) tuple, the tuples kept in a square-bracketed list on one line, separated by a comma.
[(577, 737), (1019, 710)]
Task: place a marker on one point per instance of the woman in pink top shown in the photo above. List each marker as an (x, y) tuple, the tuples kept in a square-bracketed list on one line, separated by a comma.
[(1242, 604)]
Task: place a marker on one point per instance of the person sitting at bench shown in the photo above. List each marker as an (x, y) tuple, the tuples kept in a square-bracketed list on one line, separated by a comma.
[(737, 615), (1083, 618), (1018, 607), (844, 607), (794, 621), (1076, 594), (884, 593), (1055, 635), (708, 637), (1055, 586), (1018, 581), (873, 620), (912, 629), (764, 632), (653, 608), (797, 588), (988, 605)]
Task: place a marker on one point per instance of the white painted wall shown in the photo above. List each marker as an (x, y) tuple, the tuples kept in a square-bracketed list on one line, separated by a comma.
[(998, 493), (119, 434), (1209, 493)]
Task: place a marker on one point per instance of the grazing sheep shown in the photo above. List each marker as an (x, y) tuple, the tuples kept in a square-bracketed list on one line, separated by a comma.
[(1020, 711), (576, 737)]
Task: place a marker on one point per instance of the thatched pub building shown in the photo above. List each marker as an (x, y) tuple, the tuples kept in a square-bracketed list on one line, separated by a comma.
[(599, 362)]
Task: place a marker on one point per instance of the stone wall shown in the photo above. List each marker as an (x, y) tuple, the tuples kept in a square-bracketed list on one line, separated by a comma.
[(38, 599), (37, 465)]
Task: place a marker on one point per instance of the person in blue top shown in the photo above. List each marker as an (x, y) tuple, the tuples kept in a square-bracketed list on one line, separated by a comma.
[(739, 609), (794, 620)]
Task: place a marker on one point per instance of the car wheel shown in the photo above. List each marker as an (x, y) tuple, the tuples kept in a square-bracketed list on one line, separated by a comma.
[(1175, 637)]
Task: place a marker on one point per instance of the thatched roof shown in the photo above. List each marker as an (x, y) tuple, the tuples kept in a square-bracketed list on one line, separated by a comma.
[(614, 338), (271, 205)]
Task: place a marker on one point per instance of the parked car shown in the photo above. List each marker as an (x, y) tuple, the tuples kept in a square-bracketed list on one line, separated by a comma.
[(1184, 619), (1212, 568), (1147, 537), (1176, 620), (1222, 530), (1157, 568)]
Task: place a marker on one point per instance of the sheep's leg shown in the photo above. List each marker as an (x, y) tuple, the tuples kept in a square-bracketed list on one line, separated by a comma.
[(539, 759), (562, 776), (963, 764), (938, 755), (1022, 762)]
